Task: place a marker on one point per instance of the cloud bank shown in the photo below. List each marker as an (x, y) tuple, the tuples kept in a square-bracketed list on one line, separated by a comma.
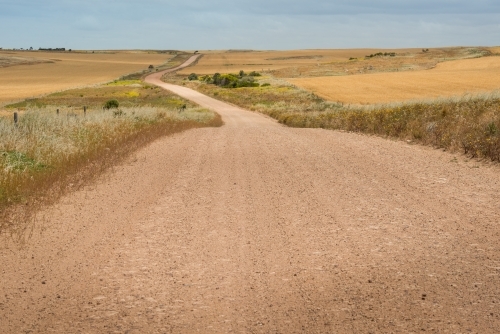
[(257, 24)]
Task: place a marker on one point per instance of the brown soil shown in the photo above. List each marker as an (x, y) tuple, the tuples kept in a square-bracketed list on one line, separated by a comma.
[(259, 228)]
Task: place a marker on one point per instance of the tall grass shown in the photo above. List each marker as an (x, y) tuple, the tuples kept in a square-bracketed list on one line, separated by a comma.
[(46, 154), (470, 124)]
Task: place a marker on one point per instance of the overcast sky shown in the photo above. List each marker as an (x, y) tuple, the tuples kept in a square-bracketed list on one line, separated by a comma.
[(250, 24)]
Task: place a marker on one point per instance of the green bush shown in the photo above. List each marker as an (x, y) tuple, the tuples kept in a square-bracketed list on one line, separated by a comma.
[(111, 104), (232, 80), (216, 79), (192, 77)]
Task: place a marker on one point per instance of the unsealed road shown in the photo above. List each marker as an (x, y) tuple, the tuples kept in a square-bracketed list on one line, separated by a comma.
[(259, 228)]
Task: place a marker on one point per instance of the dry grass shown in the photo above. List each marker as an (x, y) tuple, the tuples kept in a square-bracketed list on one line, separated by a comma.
[(67, 70), (48, 154), (447, 79)]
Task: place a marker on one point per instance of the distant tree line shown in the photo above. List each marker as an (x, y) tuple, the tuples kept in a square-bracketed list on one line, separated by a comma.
[(380, 54), (52, 49)]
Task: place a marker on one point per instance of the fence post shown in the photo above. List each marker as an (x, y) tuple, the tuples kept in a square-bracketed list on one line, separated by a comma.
[(84, 110), (57, 111), (15, 117)]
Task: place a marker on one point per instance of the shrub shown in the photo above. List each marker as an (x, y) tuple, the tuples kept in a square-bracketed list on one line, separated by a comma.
[(192, 77), (111, 104), (216, 79), (232, 80)]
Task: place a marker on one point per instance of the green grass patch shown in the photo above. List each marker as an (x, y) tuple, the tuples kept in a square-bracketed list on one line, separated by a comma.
[(124, 83), (13, 161)]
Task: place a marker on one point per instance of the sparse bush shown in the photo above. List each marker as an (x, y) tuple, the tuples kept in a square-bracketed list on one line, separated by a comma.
[(118, 113), (266, 84)]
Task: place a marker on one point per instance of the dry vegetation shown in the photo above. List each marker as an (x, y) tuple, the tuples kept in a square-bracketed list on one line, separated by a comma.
[(48, 153), (57, 71)]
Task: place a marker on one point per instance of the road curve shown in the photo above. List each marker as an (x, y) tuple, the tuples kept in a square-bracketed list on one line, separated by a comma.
[(258, 228)]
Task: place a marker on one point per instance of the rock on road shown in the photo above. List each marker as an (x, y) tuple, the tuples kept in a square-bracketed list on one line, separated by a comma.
[(258, 228)]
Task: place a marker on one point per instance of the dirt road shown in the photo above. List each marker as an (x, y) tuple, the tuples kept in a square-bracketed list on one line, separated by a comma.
[(259, 228)]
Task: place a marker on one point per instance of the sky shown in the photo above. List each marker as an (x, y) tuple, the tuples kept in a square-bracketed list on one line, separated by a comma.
[(255, 24)]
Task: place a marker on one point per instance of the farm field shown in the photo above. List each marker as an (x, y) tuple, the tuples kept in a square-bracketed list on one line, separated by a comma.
[(233, 61), (367, 76), (31, 74), (446, 79)]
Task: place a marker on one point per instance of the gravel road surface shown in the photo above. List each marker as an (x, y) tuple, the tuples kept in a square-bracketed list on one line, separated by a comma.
[(258, 228)]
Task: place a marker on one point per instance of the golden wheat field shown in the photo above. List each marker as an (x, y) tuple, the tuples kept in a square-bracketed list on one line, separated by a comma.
[(446, 79), (234, 61), (64, 70)]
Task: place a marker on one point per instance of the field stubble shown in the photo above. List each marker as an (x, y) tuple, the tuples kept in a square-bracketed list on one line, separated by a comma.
[(446, 79)]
